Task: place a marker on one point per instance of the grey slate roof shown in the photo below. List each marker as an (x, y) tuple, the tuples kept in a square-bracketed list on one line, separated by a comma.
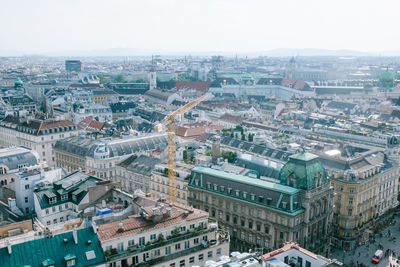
[(86, 147)]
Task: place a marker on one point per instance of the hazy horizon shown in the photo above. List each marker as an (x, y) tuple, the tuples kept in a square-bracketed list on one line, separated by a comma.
[(184, 26)]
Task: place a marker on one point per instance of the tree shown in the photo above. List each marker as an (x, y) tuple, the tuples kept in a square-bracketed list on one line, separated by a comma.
[(119, 78), (185, 155), (103, 80)]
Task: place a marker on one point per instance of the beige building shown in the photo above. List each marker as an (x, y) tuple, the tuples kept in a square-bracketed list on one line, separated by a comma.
[(100, 157), (365, 183), (162, 234), (39, 135), (159, 183)]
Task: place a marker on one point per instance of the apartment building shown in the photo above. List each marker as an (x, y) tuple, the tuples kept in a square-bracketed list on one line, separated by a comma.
[(99, 157), (39, 135), (163, 234), (365, 183), (159, 183)]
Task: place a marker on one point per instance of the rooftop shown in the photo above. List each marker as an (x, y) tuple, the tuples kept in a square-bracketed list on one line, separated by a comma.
[(246, 180), (35, 253)]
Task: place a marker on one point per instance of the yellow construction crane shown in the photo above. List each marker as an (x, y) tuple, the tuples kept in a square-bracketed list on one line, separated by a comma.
[(171, 127)]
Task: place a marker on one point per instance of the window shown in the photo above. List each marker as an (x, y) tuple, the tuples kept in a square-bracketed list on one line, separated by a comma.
[(196, 241), (227, 218), (55, 221), (218, 251), (205, 238), (351, 200), (66, 205), (167, 250), (153, 237), (26, 210), (183, 228), (120, 246), (26, 199), (157, 252), (235, 220), (242, 222), (258, 226), (172, 265), (182, 263), (131, 243), (281, 235), (52, 200), (350, 212), (61, 219), (209, 254), (201, 257), (250, 225), (64, 196), (53, 209), (308, 264), (191, 227), (142, 241), (177, 246), (27, 186), (191, 260), (48, 222), (187, 244), (108, 248), (351, 190)]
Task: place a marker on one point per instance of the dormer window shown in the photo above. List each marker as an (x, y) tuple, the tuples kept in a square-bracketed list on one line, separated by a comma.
[(64, 196), (52, 200), (74, 197), (244, 194), (215, 187), (237, 193), (70, 260)]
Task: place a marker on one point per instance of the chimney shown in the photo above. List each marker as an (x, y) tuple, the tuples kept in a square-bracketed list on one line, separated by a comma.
[(9, 247), (75, 235), (120, 228), (94, 227)]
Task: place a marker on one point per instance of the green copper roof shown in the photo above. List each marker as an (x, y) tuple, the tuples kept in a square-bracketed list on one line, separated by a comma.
[(303, 171), (246, 180), (36, 252), (305, 156), (18, 83)]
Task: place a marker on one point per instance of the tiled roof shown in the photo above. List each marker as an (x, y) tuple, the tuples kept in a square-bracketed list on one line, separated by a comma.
[(200, 86), (231, 118), (136, 224)]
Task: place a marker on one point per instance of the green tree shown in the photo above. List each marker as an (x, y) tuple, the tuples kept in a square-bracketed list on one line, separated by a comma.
[(120, 78), (103, 80), (185, 155)]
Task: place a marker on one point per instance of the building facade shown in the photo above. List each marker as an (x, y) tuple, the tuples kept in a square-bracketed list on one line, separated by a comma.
[(263, 214), (163, 234), (39, 135)]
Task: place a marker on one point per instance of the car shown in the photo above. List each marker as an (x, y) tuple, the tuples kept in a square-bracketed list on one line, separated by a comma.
[(377, 256)]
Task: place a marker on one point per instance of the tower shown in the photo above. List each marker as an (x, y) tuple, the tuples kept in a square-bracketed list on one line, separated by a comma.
[(216, 149), (152, 76)]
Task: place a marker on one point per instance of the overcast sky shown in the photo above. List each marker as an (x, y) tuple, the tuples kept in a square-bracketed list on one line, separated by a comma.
[(34, 26)]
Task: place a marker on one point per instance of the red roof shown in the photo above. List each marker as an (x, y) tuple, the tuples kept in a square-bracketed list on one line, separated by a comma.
[(90, 125), (200, 86)]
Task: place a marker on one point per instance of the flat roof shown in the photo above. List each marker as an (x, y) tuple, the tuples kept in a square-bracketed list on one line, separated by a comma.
[(246, 180)]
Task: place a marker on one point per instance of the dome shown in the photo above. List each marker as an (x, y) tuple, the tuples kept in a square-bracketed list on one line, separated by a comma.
[(386, 76), (303, 171), (18, 83)]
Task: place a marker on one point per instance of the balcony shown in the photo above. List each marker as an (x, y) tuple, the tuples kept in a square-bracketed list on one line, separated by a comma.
[(114, 255)]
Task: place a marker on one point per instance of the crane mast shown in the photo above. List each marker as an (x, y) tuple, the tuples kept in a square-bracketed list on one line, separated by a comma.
[(171, 127)]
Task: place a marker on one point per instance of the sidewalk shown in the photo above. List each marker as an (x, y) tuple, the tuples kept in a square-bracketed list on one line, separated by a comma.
[(364, 253)]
